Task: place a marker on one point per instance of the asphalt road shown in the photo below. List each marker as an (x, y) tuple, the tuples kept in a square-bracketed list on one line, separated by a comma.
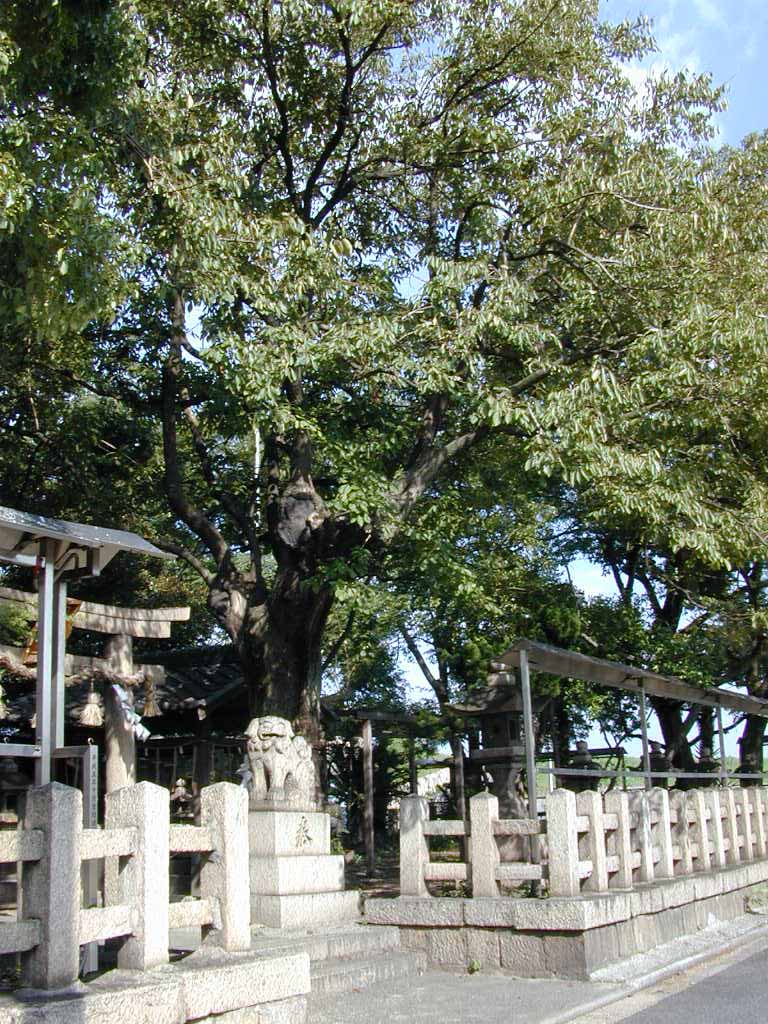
[(732, 989), (736, 993)]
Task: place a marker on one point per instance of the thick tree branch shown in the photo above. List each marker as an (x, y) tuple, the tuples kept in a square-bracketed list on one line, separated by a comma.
[(282, 139), (173, 482), (418, 657), (336, 645), (185, 555), (228, 501)]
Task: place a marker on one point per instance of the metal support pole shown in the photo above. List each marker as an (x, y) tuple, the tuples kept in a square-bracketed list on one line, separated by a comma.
[(644, 731), (370, 853), (721, 739), (45, 652), (59, 643), (530, 740)]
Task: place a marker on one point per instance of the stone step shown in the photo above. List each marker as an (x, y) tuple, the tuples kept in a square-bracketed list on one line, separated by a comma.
[(357, 940), (311, 911), (348, 975)]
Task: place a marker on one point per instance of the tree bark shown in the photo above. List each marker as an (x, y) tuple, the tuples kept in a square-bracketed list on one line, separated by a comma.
[(277, 634)]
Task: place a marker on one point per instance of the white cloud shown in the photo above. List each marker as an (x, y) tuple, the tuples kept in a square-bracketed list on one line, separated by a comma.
[(710, 13)]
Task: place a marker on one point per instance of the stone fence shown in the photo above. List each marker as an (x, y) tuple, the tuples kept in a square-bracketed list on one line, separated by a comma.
[(594, 843), (623, 873), (135, 845), (483, 868), (600, 843)]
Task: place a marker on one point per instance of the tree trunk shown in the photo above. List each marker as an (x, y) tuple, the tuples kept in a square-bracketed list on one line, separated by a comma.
[(669, 714), (751, 742), (277, 636)]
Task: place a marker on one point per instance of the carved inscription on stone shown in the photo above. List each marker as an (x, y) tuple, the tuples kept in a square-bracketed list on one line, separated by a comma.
[(303, 837)]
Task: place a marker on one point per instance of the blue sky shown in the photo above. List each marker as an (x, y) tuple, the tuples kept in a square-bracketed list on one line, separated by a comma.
[(728, 38)]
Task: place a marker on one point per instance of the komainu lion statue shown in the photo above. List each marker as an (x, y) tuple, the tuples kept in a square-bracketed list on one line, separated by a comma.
[(282, 772)]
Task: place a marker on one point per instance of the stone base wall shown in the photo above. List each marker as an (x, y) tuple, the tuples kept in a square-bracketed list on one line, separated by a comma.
[(566, 937), (226, 988)]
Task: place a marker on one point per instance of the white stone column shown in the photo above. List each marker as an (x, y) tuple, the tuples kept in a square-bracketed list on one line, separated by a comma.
[(758, 820), (745, 803), (640, 812), (592, 842), (681, 836), (142, 882), (618, 840), (661, 832), (728, 804), (224, 876), (712, 798), (563, 843), (484, 856), (50, 887), (701, 809), (414, 852)]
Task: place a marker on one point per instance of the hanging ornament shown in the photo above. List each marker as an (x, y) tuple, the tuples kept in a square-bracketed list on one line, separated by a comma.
[(151, 710), (92, 715)]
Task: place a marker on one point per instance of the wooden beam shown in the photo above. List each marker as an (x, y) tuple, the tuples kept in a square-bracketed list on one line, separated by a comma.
[(490, 755), (382, 716), (573, 665)]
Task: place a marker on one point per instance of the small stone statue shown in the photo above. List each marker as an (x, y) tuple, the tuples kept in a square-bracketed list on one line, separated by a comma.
[(659, 762), (748, 766), (281, 766), (583, 759), (709, 765)]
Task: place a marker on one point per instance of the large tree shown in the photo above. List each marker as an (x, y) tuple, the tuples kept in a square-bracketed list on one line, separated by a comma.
[(332, 252)]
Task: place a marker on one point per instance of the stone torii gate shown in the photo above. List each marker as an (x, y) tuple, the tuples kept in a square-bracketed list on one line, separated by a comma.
[(61, 551), (120, 625)]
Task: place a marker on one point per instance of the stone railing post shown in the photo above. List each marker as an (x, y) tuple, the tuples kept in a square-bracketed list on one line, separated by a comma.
[(563, 843), (484, 856), (592, 842), (661, 832), (745, 803), (681, 836), (728, 805), (142, 880), (50, 887), (702, 830), (717, 856), (758, 819), (224, 877), (618, 841), (640, 811), (414, 851)]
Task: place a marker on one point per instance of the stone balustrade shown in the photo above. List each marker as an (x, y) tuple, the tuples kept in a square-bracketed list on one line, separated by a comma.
[(484, 868), (595, 843), (600, 843), (135, 844)]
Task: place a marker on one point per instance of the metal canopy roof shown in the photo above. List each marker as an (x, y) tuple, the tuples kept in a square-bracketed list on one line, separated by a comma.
[(560, 662), (79, 545)]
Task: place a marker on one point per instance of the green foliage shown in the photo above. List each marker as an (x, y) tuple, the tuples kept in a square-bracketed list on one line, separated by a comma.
[(355, 295), (14, 626)]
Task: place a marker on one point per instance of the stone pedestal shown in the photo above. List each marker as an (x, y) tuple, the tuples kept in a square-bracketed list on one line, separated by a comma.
[(296, 882)]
